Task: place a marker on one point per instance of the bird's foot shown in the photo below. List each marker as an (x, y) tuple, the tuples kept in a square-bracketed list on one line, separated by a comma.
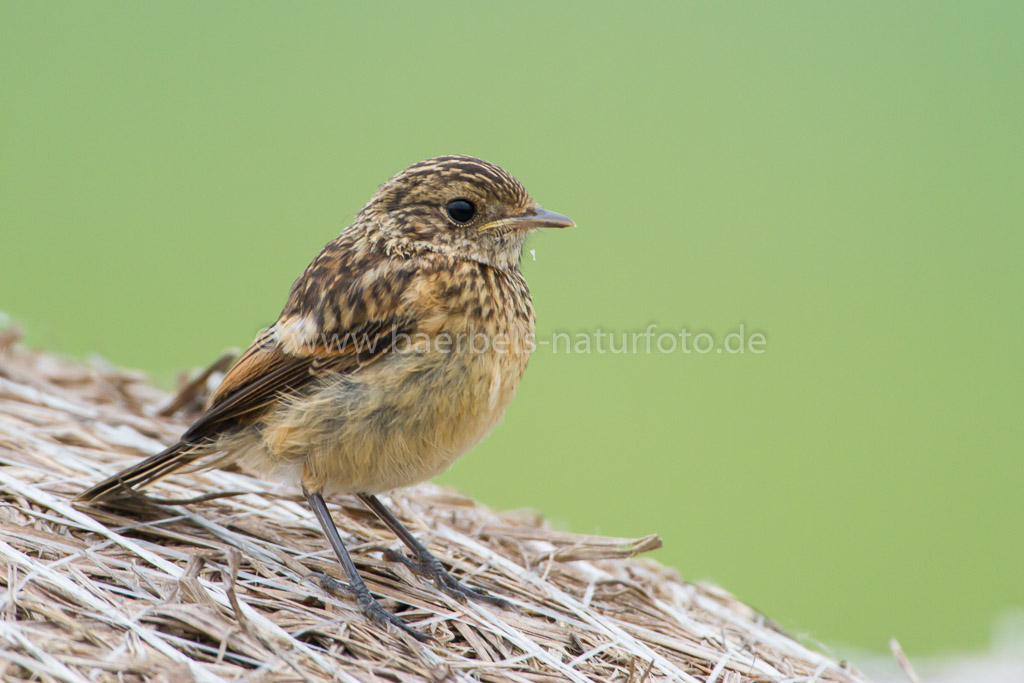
[(373, 610), (428, 566)]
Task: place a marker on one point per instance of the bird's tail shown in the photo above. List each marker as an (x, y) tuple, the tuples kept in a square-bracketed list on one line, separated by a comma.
[(143, 473)]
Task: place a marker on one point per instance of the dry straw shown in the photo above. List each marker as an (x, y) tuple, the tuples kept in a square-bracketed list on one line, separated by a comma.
[(219, 590)]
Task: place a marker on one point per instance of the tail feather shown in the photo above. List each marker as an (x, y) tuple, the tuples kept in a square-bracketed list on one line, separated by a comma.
[(142, 473)]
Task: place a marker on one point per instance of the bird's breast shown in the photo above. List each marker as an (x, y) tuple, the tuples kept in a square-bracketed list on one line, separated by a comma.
[(408, 415)]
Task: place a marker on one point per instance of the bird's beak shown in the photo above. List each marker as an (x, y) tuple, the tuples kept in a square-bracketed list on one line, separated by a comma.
[(531, 220)]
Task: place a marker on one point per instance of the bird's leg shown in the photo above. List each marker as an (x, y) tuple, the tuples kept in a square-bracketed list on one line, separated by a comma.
[(425, 563), (356, 587)]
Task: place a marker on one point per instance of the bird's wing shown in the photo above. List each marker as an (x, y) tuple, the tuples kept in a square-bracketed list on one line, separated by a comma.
[(344, 312), (274, 367)]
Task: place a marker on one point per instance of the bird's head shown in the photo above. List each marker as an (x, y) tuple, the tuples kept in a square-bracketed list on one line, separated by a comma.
[(459, 206)]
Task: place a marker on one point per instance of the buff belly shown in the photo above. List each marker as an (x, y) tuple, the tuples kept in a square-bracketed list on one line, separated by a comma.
[(396, 422)]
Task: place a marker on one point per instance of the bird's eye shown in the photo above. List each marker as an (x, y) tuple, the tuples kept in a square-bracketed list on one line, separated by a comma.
[(460, 210)]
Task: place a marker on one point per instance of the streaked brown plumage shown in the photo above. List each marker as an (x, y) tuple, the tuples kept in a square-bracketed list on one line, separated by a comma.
[(399, 348)]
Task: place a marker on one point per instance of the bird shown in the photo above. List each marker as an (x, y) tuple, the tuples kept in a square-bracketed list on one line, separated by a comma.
[(398, 349)]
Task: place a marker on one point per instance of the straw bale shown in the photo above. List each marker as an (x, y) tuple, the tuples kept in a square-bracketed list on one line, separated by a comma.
[(219, 590)]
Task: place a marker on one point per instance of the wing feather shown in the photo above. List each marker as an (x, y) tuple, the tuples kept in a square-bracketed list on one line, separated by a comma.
[(308, 342)]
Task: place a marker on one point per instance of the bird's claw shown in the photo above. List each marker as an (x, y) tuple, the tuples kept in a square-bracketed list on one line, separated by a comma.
[(430, 567), (369, 606)]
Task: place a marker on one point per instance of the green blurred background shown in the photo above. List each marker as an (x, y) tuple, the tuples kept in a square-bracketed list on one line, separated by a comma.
[(845, 177)]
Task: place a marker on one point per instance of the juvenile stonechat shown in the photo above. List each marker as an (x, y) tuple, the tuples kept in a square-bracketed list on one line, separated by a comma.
[(398, 349)]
